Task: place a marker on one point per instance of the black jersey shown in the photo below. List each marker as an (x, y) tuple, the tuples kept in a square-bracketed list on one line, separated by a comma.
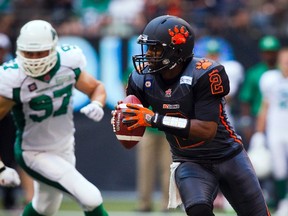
[(198, 93)]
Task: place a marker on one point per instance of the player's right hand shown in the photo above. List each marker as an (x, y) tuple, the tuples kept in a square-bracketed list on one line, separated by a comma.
[(138, 116), (9, 178)]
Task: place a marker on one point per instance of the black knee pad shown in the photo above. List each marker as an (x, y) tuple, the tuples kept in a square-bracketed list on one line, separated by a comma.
[(199, 210)]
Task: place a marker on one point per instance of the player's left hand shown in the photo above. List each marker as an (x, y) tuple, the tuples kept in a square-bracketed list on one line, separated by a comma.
[(9, 178), (94, 111), (138, 115)]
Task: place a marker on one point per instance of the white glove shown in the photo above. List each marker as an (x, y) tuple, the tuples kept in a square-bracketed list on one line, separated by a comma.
[(257, 140), (9, 178), (93, 111), (260, 155)]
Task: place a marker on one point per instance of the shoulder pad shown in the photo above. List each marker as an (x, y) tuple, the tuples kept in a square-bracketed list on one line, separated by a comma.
[(10, 77), (137, 79), (199, 66), (72, 56), (269, 79), (204, 64)]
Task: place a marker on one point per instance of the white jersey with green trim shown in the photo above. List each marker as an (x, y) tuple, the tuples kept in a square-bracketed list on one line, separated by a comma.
[(43, 110), (274, 88)]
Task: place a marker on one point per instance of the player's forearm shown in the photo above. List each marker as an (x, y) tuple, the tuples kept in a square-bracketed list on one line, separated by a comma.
[(99, 94), (173, 125), (5, 106), (185, 128)]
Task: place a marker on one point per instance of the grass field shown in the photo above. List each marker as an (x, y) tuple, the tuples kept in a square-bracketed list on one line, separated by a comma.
[(115, 207), (117, 204)]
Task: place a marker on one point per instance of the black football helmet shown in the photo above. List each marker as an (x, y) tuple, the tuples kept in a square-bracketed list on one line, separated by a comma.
[(175, 36)]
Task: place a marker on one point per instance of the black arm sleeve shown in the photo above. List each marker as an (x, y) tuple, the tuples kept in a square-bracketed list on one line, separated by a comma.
[(209, 91)]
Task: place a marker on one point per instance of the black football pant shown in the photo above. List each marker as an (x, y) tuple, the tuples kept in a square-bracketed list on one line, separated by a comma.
[(198, 184)]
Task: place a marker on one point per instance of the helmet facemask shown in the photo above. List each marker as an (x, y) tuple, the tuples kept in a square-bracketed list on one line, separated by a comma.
[(37, 67), (153, 62), (174, 35)]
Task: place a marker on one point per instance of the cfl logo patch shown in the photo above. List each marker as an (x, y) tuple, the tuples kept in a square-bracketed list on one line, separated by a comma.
[(171, 106), (32, 87)]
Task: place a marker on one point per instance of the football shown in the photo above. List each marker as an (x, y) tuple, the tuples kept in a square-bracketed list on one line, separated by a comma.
[(128, 138)]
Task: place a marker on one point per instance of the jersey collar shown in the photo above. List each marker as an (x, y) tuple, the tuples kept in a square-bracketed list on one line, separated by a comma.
[(48, 76)]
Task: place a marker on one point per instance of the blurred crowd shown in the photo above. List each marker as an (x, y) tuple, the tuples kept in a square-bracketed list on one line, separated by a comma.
[(125, 17), (239, 22)]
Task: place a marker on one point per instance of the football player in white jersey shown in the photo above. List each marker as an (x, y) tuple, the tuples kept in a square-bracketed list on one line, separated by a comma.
[(37, 86), (272, 120)]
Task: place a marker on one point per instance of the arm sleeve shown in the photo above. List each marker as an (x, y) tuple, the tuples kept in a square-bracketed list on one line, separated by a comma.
[(8, 81), (209, 91)]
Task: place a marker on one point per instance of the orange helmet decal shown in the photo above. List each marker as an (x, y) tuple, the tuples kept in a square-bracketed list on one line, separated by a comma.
[(178, 36)]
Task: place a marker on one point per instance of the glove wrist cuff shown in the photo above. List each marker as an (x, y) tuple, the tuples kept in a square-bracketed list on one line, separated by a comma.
[(2, 166), (98, 103), (155, 120), (173, 125)]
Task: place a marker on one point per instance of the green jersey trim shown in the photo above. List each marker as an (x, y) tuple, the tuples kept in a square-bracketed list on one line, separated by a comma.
[(77, 72), (20, 160), (47, 77), (17, 112)]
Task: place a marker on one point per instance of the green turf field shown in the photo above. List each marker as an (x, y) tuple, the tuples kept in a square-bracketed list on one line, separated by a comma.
[(115, 207), (117, 204)]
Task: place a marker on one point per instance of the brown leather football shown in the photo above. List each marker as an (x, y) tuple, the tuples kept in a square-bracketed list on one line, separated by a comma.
[(128, 138)]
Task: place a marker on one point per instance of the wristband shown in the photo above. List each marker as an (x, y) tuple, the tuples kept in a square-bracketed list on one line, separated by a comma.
[(2, 166), (98, 103), (173, 125)]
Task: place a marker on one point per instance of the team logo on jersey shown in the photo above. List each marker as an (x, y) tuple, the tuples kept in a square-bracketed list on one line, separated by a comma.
[(171, 106), (178, 36), (168, 92), (203, 64), (186, 80), (32, 87)]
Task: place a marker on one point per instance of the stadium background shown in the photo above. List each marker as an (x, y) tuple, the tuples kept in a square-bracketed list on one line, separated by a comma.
[(106, 30)]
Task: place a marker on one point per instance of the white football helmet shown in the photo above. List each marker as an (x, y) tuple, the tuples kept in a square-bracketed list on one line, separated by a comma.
[(37, 36)]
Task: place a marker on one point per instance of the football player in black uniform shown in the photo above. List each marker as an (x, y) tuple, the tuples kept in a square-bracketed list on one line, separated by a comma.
[(187, 96)]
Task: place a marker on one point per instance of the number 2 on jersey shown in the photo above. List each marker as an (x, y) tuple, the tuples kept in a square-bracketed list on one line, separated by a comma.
[(215, 82)]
